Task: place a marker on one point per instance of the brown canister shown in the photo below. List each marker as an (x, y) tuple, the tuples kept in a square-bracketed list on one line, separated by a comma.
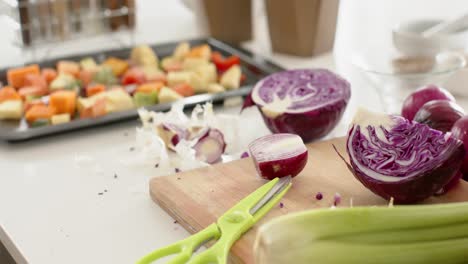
[(302, 27)]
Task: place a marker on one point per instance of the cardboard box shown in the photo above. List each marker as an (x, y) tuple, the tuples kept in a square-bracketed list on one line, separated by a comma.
[(229, 20), (302, 27)]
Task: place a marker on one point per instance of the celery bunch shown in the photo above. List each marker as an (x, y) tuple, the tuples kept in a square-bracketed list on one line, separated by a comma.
[(413, 234)]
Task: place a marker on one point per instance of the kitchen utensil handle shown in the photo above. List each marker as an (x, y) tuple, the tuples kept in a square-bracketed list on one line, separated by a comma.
[(232, 227), (237, 221), (447, 26), (184, 248)]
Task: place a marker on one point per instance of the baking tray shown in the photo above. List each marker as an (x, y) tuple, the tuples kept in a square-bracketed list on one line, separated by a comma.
[(253, 66)]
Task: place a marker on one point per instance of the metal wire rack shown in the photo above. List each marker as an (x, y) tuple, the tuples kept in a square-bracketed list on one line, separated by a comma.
[(39, 23)]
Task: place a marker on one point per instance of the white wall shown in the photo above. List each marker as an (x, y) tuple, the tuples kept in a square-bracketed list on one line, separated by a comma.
[(369, 22)]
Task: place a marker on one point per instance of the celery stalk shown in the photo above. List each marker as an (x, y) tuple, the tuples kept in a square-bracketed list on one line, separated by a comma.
[(401, 234), (443, 232), (330, 252)]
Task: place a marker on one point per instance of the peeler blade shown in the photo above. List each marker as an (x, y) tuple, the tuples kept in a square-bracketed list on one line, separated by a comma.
[(276, 189)]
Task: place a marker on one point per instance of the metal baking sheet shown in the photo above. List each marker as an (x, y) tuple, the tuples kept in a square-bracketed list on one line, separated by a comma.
[(253, 66)]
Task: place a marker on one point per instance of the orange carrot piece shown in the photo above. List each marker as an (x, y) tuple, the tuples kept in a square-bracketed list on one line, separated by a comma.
[(202, 51), (30, 104), (9, 93), (118, 66), (69, 67), (49, 74), (35, 80), (184, 89), (32, 90), (99, 108), (96, 110), (86, 77), (39, 112), (16, 76), (95, 89), (63, 102)]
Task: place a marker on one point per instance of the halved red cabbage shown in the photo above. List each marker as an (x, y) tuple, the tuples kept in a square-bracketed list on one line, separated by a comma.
[(394, 157), (306, 102)]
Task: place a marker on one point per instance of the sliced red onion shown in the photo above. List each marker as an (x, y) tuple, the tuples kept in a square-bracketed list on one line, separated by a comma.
[(417, 99), (439, 114), (278, 155), (210, 145), (394, 157), (196, 132), (307, 102), (171, 134)]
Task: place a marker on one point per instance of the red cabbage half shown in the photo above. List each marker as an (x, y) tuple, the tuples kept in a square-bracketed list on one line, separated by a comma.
[(394, 157), (306, 102)]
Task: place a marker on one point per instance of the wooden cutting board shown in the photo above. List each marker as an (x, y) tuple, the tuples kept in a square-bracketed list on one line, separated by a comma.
[(197, 198)]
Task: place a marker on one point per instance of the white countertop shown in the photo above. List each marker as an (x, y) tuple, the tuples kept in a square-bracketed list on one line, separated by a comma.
[(52, 210)]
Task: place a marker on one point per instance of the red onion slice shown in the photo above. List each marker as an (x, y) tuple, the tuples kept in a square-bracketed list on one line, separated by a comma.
[(171, 134), (278, 155), (210, 145)]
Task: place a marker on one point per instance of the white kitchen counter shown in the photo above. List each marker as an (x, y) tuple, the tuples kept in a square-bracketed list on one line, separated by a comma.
[(70, 199)]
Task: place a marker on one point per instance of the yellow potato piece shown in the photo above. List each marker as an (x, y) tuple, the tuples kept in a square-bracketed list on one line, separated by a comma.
[(144, 55), (60, 119), (231, 78), (167, 95), (11, 109)]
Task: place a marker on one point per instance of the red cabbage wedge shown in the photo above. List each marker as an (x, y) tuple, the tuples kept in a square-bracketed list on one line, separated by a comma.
[(306, 102), (395, 157)]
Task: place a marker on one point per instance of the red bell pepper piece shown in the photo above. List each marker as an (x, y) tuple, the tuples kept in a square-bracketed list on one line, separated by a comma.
[(133, 76), (222, 64)]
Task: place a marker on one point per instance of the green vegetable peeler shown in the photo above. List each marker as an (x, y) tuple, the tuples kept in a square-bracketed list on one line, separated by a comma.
[(227, 229)]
